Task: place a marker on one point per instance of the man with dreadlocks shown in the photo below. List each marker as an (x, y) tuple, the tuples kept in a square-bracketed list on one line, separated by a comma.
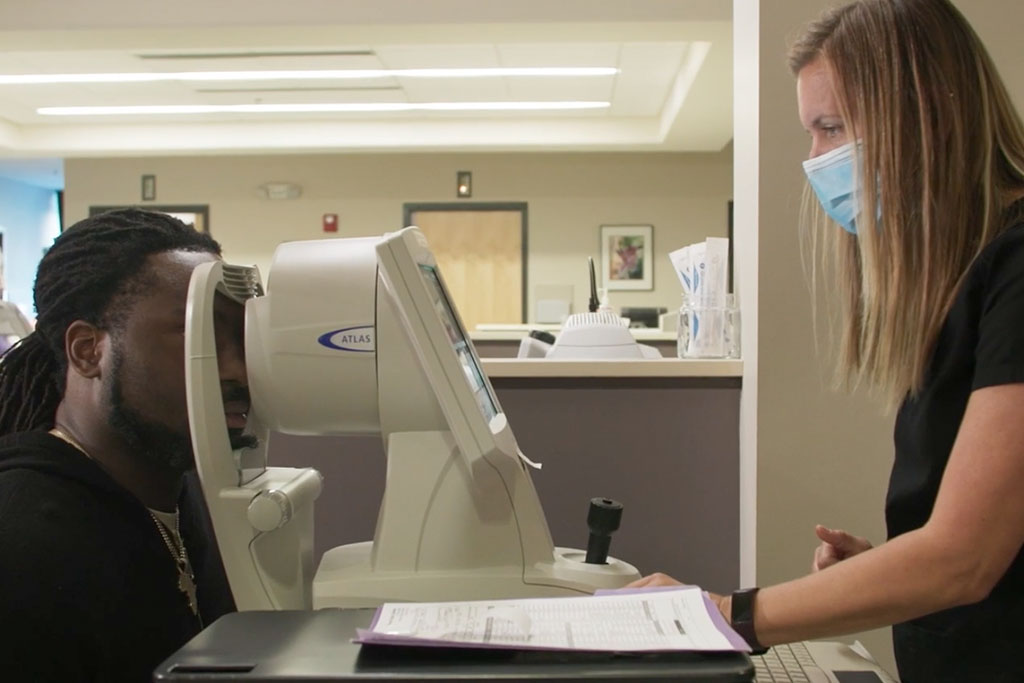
[(107, 560)]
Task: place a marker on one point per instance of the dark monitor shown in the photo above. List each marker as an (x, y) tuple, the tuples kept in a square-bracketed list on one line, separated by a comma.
[(641, 316)]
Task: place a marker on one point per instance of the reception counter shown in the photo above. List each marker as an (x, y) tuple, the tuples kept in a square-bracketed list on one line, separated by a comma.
[(660, 436), (664, 367), (503, 341)]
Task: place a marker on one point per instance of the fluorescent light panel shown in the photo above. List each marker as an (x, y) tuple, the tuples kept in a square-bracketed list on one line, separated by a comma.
[(315, 108), (320, 74)]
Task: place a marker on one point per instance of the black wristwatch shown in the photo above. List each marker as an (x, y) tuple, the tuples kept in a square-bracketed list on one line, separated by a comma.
[(742, 617)]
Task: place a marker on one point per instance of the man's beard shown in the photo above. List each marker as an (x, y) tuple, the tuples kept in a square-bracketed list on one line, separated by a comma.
[(156, 443)]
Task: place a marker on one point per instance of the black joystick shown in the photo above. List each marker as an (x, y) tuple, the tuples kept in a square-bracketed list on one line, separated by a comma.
[(541, 335), (603, 518)]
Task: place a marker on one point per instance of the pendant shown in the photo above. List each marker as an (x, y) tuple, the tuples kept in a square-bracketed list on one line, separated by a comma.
[(187, 585)]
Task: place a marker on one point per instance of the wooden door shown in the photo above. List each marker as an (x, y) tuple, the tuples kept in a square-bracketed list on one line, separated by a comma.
[(480, 254)]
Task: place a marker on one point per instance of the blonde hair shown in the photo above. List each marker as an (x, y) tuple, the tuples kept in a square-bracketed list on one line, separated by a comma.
[(941, 157)]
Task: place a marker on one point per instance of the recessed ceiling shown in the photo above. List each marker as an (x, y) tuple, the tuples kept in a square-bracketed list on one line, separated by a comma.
[(672, 90)]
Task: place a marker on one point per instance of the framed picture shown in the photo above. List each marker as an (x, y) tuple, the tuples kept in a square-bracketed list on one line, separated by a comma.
[(732, 241), (627, 253), (197, 215)]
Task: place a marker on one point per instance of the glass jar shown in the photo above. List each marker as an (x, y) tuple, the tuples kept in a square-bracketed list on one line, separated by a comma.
[(733, 329), (683, 328), (708, 331)]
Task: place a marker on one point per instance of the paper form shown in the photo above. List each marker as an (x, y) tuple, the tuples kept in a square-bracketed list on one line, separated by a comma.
[(667, 620)]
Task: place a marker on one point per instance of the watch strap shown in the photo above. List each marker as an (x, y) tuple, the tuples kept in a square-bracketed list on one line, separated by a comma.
[(742, 618)]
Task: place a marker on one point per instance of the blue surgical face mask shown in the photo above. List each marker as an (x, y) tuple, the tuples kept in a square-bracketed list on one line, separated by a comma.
[(833, 178)]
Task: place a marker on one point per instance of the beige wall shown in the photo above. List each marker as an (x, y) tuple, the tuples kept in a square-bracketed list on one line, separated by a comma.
[(683, 196), (821, 456)]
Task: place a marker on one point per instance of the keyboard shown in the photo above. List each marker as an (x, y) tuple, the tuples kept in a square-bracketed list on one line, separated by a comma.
[(788, 664)]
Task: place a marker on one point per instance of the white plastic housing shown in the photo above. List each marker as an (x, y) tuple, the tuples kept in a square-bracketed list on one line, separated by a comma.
[(310, 341), (598, 335), (269, 566), (355, 336), (460, 517)]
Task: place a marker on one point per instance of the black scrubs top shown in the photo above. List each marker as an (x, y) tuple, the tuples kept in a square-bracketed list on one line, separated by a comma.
[(981, 344)]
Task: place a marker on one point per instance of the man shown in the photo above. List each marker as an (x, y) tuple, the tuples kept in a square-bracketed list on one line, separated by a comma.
[(109, 563)]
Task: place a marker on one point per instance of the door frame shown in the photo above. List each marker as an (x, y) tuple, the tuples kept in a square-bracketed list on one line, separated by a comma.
[(409, 208)]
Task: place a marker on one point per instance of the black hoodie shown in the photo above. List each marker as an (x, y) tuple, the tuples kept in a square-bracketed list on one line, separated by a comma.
[(88, 588)]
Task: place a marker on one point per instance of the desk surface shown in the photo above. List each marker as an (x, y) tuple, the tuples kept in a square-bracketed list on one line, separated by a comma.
[(316, 646), (516, 333), (609, 367)]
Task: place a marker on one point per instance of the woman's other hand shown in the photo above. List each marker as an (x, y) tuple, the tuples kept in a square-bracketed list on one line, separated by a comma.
[(836, 546)]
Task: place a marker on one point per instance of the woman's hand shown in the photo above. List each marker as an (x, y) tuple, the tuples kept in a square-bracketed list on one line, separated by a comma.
[(723, 602), (654, 580), (836, 546)]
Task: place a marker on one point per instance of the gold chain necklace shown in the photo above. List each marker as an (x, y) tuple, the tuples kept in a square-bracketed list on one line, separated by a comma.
[(176, 547), (186, 579)]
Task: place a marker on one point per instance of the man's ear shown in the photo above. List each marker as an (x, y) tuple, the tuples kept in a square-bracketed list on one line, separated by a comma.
[(84, 346)]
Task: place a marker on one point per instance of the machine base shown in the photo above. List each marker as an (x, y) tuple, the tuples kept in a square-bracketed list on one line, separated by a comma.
[(346, 578)]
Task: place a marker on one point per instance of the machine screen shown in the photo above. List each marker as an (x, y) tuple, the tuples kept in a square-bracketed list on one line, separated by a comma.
[(474, 375)]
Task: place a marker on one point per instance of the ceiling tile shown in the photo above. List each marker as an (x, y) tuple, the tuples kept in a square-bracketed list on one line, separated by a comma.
[(588, 89), (647, 72), (260, 59), (558, 54), (455, 89), (437, 56)]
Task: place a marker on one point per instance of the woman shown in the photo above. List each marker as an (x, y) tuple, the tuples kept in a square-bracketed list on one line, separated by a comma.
[(918, 154)]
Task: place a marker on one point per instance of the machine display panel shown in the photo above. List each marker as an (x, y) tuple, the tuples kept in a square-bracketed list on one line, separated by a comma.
[(457, 337)]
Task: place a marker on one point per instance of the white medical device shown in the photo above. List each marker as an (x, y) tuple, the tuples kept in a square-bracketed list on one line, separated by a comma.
[(597, 335), (13, 323), (594, 335), (356, 336)]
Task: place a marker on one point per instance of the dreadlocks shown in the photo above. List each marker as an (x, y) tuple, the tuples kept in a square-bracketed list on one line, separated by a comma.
[(91, 273)]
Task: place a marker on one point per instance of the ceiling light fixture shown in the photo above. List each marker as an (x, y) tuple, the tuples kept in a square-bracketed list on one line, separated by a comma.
[(135, 110), (319, 74)]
